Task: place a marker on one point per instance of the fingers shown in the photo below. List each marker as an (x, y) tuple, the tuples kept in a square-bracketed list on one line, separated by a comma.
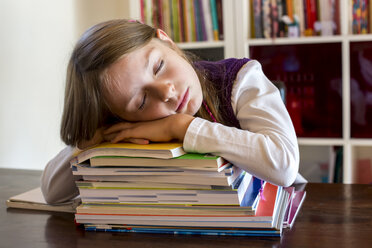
[(139, 141), (117, 127)]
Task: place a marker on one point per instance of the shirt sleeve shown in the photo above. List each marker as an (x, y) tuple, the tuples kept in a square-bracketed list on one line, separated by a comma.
[(266, 145), (57, 181)]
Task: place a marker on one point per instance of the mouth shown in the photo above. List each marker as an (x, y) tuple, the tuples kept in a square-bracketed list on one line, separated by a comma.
[(183, 101)]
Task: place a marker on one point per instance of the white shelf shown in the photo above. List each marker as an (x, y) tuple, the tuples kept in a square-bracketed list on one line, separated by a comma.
[(201, 44), (320, 142), (295, 41)]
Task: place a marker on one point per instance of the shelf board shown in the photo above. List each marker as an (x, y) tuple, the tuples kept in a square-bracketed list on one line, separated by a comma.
[(361, 142), (201, 44), (360, 37), (320, 142), (309, 40), (294, 41)]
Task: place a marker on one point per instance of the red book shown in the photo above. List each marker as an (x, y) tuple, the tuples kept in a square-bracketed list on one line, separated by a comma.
[(267, 202), (311, 16)]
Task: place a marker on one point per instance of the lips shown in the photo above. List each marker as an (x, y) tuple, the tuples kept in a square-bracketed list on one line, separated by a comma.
[(183, 101)]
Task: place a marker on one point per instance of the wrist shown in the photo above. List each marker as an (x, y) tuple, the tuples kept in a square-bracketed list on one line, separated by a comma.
[(180, 126)]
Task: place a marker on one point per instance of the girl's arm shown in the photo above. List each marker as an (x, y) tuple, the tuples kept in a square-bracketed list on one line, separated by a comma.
[(267, 146), (57, 181)]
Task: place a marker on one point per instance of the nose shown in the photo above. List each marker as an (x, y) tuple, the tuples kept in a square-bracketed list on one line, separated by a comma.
[(165, 91)]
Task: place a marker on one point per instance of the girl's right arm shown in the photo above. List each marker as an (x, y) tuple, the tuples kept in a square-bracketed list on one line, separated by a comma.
[(57, 181)]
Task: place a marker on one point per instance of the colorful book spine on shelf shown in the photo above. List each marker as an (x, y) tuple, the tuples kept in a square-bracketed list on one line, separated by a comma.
[(257, 12), (185, 20), (220, 19), (360, 15), (294, 18), (356, 14), (311, 17), (213, 7), (364, 17), (266, 18)]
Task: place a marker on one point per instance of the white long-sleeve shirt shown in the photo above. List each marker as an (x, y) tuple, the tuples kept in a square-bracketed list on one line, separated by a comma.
[(265, 147)]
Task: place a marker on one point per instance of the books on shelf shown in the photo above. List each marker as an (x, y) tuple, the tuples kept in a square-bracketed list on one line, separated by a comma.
[(360, 16), (185, 20), (294, 18), (177, 195)]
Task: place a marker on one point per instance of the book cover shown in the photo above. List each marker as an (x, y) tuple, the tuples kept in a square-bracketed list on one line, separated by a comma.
[(214, 231), (34, 199), (152, 150), (195, 161)]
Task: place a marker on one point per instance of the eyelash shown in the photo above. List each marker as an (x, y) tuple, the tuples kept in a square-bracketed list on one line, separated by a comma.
[(143, 102), (159, 67)]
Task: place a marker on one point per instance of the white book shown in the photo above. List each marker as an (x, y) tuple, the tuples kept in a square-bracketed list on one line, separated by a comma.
[(34, 199)]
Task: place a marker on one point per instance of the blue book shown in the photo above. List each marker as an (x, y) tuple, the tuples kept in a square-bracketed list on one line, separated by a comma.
[(251, 193)]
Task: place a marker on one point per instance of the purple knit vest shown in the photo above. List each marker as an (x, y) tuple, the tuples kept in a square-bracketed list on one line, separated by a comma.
[(223, 74)]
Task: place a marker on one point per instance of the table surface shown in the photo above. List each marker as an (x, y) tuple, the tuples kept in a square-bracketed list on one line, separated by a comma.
[(333, 215)]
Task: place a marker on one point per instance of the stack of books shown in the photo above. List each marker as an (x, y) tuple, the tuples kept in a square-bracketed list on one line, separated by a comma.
[(158, 188)]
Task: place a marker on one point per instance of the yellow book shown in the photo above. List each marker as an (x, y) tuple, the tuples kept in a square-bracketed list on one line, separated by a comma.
[(152, 150)]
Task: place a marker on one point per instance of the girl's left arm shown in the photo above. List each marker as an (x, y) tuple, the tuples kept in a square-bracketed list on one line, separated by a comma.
[(266, 146)]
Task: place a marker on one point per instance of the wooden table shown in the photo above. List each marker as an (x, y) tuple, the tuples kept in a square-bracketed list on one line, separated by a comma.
[(333, 215)]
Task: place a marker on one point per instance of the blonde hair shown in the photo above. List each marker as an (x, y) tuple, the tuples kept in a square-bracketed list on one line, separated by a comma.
[(100, 46)]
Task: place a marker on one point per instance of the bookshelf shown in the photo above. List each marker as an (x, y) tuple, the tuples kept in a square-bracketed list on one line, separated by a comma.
[(337, 55)]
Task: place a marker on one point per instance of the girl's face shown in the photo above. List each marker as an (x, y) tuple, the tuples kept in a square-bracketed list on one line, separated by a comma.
[(151, 83)]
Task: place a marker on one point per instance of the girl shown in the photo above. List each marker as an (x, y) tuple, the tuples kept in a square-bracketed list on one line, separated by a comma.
[(127, 81)]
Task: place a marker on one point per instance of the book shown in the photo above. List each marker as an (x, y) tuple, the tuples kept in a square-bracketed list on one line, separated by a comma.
[(168, 194), (154, 150), (295, 206), (215, 231), (34, 199), (258, 23), (269, 214), (190, 160)]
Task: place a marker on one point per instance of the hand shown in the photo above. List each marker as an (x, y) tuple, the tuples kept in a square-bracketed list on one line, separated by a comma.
[(172, 127)]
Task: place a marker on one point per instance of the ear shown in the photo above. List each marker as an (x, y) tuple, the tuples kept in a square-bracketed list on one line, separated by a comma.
[(163, 36)]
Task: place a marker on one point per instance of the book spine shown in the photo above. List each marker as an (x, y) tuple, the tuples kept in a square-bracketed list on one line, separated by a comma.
[(186, 19), (154, 14), (148, 9), (364, 17), (299, 12), (370, 16), (142, 10), (220, 19), (290, 9), (266, 17), (214, 19), (274, 19), (202, 21), (181, 19), (257, 13)]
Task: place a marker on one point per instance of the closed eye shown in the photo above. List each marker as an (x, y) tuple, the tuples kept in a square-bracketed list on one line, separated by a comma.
[(143, 102), (160, 66)]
